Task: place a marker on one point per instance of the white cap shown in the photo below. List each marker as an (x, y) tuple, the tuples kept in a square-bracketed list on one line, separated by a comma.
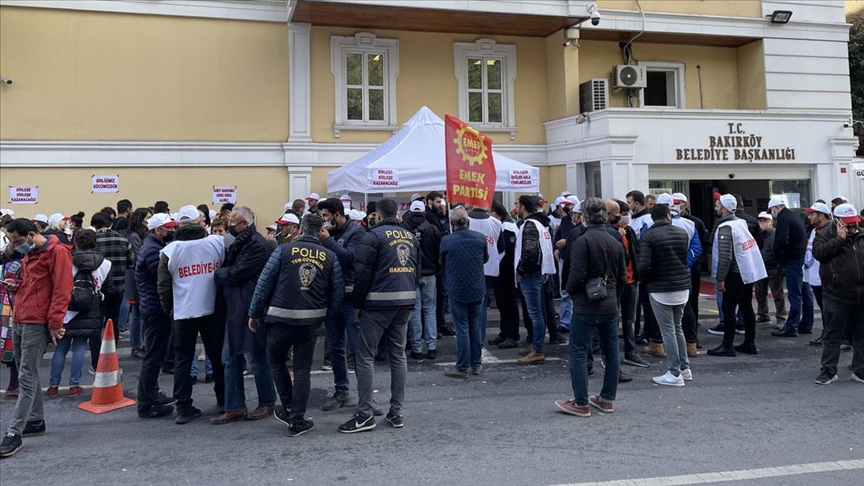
[(577, 208), (729, 202), (679, 198), (287, 207), (212, 213), (566, 194), (666, 199), (416, 197), (272, 227), (187, 214), (775, 201), (573, 200), (160, 219), (41, 218), (417, 207), (819, 208), (558, 201), (56, 218), (7, 212), (345, 197), (288, 218), (313, 197), (356, 215), (847, 213), (766, 215)]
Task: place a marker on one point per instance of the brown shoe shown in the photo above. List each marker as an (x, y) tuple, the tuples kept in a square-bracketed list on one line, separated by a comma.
[(263, 411), (525, 351), (570, 408), (74, 391), (533, 358), (692, 352), (655, 349), (228, 417), (604, 406)]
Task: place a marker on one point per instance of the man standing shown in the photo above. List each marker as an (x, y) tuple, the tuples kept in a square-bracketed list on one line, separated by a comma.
[(596, 274), (480, 221), (736, 265), (630, 287), (435, 208), (839, 248), (116, 249), (187, 291), (124, 212), (237, 279), (663, 268), (819, 216), (41, 303), (790, 245), (641, 218), (775, 275), (422, 323), (386, 272), (696, 269), (505, 288), (300, 286), (560, 239)]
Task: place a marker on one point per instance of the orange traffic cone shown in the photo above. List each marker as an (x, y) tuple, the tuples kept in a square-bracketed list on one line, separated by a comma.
[(107, 390)]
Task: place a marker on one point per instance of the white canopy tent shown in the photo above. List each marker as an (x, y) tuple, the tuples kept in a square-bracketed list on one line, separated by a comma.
[(413, 160)]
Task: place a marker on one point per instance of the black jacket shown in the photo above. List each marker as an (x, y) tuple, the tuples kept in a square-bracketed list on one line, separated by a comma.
[(790, 239), (662, 261), (596, 254), (435, 219), (575, 233), (345, 243), (88, 323), (387, 268), (507, 246), (146, 276), (531, 256), (429, 239), (841, 265), (768, 255)]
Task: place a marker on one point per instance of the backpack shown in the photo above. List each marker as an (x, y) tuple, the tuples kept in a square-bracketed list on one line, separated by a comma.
[(85, 297)]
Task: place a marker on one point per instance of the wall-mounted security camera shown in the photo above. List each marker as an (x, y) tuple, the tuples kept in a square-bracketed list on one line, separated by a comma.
[(847, 124), (5, 80), (731, 176), (595, 13)]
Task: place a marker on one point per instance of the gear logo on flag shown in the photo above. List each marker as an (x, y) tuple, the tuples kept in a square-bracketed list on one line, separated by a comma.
[(470, 144)]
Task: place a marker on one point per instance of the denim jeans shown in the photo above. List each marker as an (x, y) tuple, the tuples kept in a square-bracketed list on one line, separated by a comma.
[(467, 322), (337, 326), (532, 291), (281, 337), (136, 326), (606, 326), (807, 310), (629, 300), (794, 271), (58, 362), (669, 318), (123, 316), (566, 309), (235, 388), (424, 316), (208, 365)]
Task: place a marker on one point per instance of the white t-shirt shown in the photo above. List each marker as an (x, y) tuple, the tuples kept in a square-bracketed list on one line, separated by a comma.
[(676, 297), (99, 276)]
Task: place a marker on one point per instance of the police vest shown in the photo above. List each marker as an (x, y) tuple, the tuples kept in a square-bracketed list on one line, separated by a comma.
[(394, 281), (193, 265), (303, 291)]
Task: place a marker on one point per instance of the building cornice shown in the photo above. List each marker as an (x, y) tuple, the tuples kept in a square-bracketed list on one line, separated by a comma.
[(262, 11)]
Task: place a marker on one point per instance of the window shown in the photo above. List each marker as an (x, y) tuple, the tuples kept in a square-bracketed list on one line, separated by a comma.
[(365, 68), (665, 82), (486, 72)]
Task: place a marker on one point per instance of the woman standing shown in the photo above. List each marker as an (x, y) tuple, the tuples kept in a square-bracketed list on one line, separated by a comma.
[(136, 232)]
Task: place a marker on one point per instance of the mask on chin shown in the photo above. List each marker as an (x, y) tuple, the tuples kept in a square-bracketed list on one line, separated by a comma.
[(615, 220)]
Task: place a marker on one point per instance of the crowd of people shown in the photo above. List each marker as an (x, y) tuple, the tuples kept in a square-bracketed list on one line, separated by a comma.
[(382, 283)]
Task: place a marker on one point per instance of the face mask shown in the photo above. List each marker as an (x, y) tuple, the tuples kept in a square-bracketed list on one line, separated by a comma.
[(232, 230), (330, 225), (625, 220), (615, 220), (169, 237), (24, 248)]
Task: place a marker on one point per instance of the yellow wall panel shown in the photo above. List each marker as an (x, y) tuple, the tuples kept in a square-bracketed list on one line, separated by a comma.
[(102, 76), (854, 8), (319, 179), (726, 8), (751, 76)]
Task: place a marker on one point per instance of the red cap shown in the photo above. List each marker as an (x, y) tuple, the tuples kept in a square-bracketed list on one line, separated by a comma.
[(716, 196)]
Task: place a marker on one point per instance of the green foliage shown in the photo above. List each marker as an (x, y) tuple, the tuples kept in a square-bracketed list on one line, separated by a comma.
[(856, 66)]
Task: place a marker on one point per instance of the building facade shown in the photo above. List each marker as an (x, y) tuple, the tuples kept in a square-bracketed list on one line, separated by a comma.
[(175, 99)]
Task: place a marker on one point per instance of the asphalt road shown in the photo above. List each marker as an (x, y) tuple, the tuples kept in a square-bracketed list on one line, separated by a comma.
[(747, 413)]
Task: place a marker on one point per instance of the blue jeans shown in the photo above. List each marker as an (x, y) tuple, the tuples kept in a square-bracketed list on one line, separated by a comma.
[(235, 388), (807, 309), (466, 321), (136, 326), (532, 290), (208, 367), (424, 316), (629, 300), (794, 271), (337, 326), (123, 317), (566, 310), (584, 326), (58, 362)]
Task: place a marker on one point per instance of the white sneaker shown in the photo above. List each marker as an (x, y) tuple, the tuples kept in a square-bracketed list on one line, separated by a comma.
[(857, 378), (687, 374), (669, 380)]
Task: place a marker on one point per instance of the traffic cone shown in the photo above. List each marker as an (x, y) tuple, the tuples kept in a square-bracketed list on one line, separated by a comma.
[(107, 390)]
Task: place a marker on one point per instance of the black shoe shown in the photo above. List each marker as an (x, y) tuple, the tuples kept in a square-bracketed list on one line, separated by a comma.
[(338, 400), (846, 346), (816, 342), (508, 344), (208, 378), (358, 423), (416, 356), (624, 377), (785, 333), (432, 354), (722, 350), (805, 331), (495, 341), (157, 411), (823, 379), (376, 410), (395, 420), (194, 379), (168, 371), (446, 331), (747, 348), (187, 415), (163, 399), (641, 341), (300, 428), (137, 353), (558, 339), (10, 445), (34, 428), (282, 414), (563, 330), (763, 320), (717, 330)]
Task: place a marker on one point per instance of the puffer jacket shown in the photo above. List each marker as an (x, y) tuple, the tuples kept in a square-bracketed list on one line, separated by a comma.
[(88, 323), (790, 239), (146, 276), (662, 259), (429, 239), (841, 265), (130, 291), (531, 256)]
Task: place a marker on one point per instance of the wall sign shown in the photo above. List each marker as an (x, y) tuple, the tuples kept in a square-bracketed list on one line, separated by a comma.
[(224, 194), (520, 177), (23, 194), (105, 183), (384, 177), (738, 145)]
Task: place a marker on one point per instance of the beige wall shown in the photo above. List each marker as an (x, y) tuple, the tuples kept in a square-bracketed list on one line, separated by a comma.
[(562, 73), (426, 78), (854, 8), (264, 189), (553, 181), (319, 179), (729, 8), (719, 69), (102, 76), (751, 76)]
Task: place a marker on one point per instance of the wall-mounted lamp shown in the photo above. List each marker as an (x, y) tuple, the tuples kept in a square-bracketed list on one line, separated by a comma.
[(780, 16)]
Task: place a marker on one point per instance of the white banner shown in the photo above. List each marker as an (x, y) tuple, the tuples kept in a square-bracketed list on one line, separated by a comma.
[(23, 194), (105, 183), (384, 177), (224, 194), (520, 177), (858, 169)]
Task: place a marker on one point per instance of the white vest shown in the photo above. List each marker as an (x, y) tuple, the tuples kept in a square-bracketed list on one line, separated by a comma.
[(747, 254), (811, 265), (641, 224), (99, 276), (192, 265), (491, 229), (548, 264)]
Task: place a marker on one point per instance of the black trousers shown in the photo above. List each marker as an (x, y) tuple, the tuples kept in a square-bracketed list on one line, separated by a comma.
[(185, 337), (650, 330), (838, 318), (505, 298), (157, 329), (693, 302), (689, 324), (281, 337), (738, 296), (440, 302), (110, 310)]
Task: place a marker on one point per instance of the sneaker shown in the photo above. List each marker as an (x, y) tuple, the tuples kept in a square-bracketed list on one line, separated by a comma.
[(669, 379), (138, 353), (10, 445), (816, 342), (416, 356), (338, 400), (635, 360), (845, 347), (53, 391), (74, 391), (431, 354), (604, 406), (327, 366), (163, 399), (532, 358), (570, 408), (395, 420), (477, 371), (717, 330), (453, 372), (282, 414), (157, 411), (300, 428), (739, 330), (358, 423), (857, 378), (187, 415), (494, 341), (763, 320), (34, 428), (508, 344), (687, 374), (826, 379), (624, 377), (92, 371), (208, 378)]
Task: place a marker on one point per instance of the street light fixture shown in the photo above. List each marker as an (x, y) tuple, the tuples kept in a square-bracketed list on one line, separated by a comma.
[(780, 16)]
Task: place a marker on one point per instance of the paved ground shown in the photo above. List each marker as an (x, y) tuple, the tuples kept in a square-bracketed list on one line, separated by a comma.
[(760, 415)]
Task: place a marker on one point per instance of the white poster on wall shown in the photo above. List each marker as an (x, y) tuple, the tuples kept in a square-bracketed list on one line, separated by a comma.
[(224, 194), (23, 194), (105, 183)]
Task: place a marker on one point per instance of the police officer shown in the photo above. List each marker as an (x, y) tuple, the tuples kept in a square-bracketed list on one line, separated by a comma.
[(299, 287), (386, 272)]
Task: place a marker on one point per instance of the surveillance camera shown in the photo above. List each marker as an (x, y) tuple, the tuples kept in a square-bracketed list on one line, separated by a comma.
[(846, 124), (5, 80), (731, 176), (595, 18)]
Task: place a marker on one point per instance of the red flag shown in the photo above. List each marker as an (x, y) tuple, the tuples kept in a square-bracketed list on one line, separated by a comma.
[(470, 168)]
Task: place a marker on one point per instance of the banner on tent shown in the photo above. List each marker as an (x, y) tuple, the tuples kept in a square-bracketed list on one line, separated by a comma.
[(383, 177), (470, 169), (520, 177)]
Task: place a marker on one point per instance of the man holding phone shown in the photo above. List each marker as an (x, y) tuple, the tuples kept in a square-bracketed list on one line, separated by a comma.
[(42, 298)]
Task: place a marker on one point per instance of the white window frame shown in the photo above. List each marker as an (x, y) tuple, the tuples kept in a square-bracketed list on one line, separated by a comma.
[(364, 43), (679, 91), (488, 48)]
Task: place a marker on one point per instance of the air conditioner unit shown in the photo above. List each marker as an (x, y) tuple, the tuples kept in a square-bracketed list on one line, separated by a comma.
[(594, 95), (630, 77)]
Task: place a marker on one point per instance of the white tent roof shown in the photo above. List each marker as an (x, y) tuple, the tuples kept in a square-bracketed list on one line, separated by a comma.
[(413, 160)]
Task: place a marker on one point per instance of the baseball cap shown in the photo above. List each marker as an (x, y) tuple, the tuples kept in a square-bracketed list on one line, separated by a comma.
[(313, 197), (558, 201), (539, 200), (272, 227), (288, 218), (41, 218), (187, 214), (729, 202), (666, 199), (716, 196), (765, 215), (56, 218), (775, 201), (417, 207), (577, 208), (818, 208), (345, 197), (573, 200), (7, 212), (847, 213), (416, 197), (356, 215), (565, 201), (679, 198), (566, 194), (160, 219)]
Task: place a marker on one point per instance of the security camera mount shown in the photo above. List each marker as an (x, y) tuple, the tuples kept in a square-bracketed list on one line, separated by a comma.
[(5, 80)]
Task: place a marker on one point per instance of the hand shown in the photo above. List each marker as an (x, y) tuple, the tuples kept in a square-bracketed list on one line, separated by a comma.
[(721, 286), (253, 324), (10, 284), (556, 254), (561, 243), (841, 230), (57, 334), (323, 234)]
